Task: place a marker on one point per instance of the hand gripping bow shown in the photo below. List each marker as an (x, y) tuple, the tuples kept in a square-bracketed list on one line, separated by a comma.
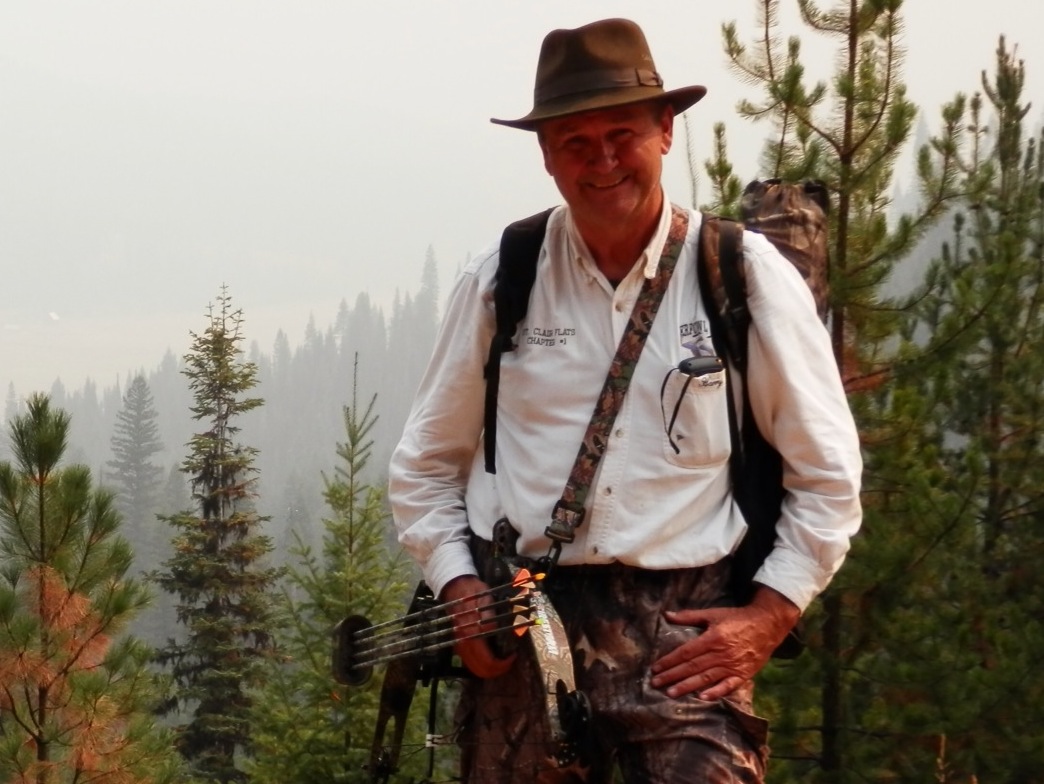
[(418, 648)]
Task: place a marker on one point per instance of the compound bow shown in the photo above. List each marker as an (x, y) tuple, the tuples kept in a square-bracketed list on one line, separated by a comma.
[(418, 647)]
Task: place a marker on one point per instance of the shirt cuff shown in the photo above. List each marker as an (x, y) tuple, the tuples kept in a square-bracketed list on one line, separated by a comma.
[(796, 577), (449, 560)]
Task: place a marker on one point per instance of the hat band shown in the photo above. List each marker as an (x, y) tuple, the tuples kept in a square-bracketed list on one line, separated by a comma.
[(590, 81)]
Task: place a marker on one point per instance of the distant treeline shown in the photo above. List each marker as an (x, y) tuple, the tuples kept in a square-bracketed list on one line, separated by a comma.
[(305, 388)]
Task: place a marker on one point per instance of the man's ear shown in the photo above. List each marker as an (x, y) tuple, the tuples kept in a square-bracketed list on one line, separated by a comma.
[(666, 128), (543, 152)]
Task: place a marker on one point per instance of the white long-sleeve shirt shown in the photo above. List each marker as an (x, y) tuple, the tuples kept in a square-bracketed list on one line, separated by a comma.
[(649, 505)]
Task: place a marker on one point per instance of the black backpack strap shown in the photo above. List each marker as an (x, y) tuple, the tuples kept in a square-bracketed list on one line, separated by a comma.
[(737, 315), (729, 319), (519, 250)]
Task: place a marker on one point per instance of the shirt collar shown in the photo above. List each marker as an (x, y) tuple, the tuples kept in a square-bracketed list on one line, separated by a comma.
[(649, 258), (654, 250)]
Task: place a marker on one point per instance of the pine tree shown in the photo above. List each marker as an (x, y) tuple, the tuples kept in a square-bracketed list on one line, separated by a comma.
[(11, 410), (11, 404), (848, 132), (309, 728), (136, 478), (175, 494), (217, 571), (979, 374), (139, 485), (75, 699)]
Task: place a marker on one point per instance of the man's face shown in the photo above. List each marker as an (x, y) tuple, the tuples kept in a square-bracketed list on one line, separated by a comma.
[(607, 163)]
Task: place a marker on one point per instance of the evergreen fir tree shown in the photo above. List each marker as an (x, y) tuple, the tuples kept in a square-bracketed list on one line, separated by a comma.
[(139, 484), (217, 572), (11, 404), (979, 376), (175, 494), (847, 131), (76, 700), (307, 727), (136, 479)]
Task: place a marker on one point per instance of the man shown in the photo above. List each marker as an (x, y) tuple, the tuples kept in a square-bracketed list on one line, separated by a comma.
[(664, 658)]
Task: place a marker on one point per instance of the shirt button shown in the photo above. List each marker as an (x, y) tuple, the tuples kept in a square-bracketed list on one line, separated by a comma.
[(619, 432), (608, 491), (595, 549)]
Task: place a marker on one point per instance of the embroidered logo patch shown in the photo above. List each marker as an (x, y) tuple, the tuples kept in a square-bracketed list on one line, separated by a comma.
[(546, 336), (695, 336)]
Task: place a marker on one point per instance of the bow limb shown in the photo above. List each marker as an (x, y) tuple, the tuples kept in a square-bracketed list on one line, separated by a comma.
[(397, 690), (400, 644), (400, 684)]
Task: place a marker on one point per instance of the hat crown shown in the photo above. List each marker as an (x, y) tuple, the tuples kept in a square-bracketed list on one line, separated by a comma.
[(600, 65), (611, 43), (603, 55)]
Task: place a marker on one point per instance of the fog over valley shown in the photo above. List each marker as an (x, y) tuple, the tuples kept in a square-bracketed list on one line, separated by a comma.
[(304, 153)]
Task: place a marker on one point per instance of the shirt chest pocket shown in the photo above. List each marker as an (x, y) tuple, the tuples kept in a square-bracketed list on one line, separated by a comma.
[(695, 419)]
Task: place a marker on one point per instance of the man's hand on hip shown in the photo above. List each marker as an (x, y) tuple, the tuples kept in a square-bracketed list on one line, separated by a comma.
[(471, 617), (734, 646)]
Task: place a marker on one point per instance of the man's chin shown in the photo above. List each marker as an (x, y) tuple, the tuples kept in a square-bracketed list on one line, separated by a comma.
[(611, 203)]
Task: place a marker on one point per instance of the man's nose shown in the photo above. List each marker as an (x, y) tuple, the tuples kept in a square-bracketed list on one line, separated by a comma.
[(603, 154)]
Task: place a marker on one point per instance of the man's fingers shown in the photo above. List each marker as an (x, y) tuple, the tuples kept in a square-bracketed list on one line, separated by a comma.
[(480, 660), (474, 651), (705, 683), (722, 689), (683, 666), (676, 664), (703, 617), (471, 618), (730, 651)]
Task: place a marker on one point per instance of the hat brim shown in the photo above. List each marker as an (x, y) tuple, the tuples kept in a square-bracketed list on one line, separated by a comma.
[(680, 100)]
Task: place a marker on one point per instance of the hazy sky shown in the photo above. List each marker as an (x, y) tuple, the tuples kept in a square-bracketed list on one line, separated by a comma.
[(303, 152)]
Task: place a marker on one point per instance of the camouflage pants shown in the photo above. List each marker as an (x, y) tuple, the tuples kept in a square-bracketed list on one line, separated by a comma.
[(613, 615)]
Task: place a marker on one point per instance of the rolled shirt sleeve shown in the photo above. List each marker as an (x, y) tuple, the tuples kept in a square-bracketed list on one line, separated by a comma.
[(429, 468), (800, 406)]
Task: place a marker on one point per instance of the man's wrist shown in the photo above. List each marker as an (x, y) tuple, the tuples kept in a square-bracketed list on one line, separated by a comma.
[(784, 612), (459, 587)]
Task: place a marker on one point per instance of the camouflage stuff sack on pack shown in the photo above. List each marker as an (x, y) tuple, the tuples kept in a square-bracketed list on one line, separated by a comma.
[(793, 216)]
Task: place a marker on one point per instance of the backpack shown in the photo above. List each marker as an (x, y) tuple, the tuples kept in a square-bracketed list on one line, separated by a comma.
[(793, 217)]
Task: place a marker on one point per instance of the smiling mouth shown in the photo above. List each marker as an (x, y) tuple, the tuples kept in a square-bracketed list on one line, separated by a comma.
[(606, 186)]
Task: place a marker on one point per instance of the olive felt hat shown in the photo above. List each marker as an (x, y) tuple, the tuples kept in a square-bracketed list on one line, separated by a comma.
[(603, 64)]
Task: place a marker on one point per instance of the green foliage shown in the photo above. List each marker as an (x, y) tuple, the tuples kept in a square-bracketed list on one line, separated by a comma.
[(308, 727), (863, 704), (75, 701), (980, 374), (848, 132), (921, 655), (217, 570)]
